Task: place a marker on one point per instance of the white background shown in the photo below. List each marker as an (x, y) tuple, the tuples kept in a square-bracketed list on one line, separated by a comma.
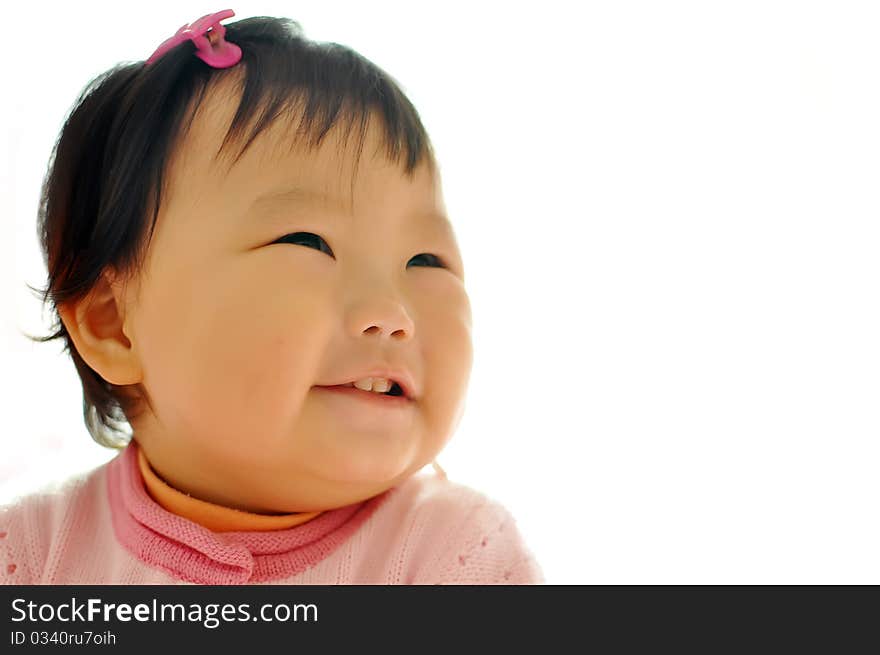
[(668, 213)]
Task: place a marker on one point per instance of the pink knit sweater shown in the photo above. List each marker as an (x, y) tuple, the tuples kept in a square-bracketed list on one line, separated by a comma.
[(104, 528)]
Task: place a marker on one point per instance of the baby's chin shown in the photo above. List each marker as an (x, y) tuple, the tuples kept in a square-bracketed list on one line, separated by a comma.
[(349, 463)]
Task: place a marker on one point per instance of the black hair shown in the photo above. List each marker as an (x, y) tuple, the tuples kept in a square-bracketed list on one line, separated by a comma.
[(105, 174)]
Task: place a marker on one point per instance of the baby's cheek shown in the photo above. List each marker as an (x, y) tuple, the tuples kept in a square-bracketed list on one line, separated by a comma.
[(449, 357), (448, 325)]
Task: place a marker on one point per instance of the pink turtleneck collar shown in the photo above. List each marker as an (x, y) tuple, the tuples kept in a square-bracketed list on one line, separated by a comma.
[(194, 553)]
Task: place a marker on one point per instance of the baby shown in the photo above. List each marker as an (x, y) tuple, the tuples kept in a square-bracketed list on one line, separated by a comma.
[(252, 267)]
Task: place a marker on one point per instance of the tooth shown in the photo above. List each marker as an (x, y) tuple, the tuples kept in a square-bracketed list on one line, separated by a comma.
[(378, 385), (364, 385)]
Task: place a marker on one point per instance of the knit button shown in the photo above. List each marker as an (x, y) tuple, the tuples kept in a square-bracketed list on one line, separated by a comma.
[(2, 535), (10, 568)]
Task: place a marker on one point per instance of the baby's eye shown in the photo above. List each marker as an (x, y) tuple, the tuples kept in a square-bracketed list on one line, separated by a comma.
[(307, 237), (434, 258)]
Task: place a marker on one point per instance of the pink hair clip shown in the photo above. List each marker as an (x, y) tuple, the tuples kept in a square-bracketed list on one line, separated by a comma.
[(208, 35)]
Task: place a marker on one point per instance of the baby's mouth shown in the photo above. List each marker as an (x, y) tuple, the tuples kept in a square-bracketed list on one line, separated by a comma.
[(395, 389), (379, 399)]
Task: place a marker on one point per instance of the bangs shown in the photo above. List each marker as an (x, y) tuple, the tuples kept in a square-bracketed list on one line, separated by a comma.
[(327, 85)]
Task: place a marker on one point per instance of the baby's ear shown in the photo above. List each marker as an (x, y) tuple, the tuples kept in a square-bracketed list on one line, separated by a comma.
[(95, 325)]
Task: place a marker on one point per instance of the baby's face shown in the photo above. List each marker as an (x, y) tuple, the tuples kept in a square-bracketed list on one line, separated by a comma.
[(242, 314)]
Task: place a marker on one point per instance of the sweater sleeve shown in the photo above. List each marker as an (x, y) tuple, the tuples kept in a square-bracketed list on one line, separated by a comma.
[(485, 548)]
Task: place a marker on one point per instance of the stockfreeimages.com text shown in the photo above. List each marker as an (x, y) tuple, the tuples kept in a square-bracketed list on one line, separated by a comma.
[(210, 615)]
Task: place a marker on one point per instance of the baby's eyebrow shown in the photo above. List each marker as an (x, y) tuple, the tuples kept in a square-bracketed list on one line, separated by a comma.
[(268, 204), (291, 197)]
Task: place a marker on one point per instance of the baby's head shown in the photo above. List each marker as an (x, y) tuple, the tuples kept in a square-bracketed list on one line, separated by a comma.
[(223, 243)]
